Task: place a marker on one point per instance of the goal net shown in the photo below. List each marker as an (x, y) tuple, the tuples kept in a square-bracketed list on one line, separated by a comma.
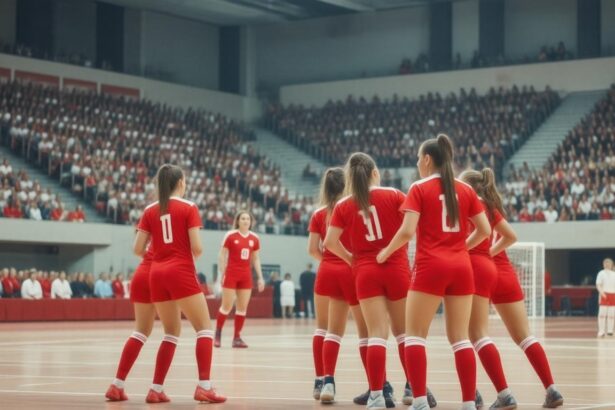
[(528, 259)]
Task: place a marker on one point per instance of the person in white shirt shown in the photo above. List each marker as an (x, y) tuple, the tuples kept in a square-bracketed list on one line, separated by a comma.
[(34, 212), (60, 288), (551, 215), (31, 288), (287, 296), (605, 283)]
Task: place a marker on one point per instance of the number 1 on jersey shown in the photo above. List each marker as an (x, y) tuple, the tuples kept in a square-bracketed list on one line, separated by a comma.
[(367, 219), (167, 230), (445, 225)]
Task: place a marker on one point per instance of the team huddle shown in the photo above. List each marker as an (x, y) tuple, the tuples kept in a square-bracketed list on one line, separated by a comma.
[(361, 241)]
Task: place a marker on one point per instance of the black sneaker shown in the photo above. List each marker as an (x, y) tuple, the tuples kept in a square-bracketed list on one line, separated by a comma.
[(408, 397), (554, 399), (317, 389), (327, 394), (387, 392), (361, 399), (507, 403), (478, 400), (431, 399)]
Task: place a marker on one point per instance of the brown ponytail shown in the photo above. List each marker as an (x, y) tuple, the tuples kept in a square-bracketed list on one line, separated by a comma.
[(331, 187), (483, 183), (359, 170), (168, 177), (440, 149)]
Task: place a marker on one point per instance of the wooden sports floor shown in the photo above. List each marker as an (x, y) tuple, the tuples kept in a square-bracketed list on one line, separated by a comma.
[(70, 365)]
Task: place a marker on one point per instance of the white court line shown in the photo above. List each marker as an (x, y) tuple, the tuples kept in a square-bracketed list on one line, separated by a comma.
[(38, 384), (595, 406), (48, 342)]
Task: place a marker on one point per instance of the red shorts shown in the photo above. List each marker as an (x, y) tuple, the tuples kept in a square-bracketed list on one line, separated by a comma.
[(450, 277), (172, 283), (336, 281), (139, 285), (507, 288), (485, 275), (608, 300), (237, 281), (390, 279)]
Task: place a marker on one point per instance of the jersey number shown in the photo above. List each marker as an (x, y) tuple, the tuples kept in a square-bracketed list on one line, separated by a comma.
[(445, 227), (371, 226), (245, 254), (167, 231)]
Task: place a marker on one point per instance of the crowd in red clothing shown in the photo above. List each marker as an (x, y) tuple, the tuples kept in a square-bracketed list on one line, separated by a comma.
[(578, 182)]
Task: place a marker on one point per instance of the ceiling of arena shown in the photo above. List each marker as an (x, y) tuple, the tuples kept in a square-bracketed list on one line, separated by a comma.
[(243, 12)]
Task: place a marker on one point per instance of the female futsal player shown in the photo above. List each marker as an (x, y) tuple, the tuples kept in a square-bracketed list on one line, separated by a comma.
[(508, 299), (172, 225), (145, 314), (239, 253), (335, 292), (370, 215), (440, 207), (485, 279)]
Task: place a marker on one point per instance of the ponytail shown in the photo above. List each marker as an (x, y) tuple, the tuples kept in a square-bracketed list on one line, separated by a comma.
[(331, 187), (440, 149), (359, 170), (483, 183), (168, 177)]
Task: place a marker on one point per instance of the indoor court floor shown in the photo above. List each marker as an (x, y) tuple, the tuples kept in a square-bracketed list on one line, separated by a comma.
[(69, 366)]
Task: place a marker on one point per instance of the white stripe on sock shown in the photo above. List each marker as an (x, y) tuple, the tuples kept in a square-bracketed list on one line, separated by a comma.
[(461, 345), (527, 342), (320, 332), (205, 333), (415, 341), (482, 343), (170, 339), (139, 336), (332, 337), (400, 338), (364, 341), (376, 341)]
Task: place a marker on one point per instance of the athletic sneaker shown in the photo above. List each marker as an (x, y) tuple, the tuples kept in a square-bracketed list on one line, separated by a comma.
[(408, 397), (218, 338), (376, 402), (387, 392), (208, 396), (154, 397), (600, 334), (114, 393), (361, 399), (431, 399), (327, 395), (317, 389), (478, 400), (507, 403), (239, 344), (609, 334), (554, 399)]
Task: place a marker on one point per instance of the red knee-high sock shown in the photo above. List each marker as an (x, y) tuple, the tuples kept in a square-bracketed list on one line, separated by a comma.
[(164, 358), (220, 319), (416, 363), (490, 358), (330, 350), (240, 319), (363, 354), (131, 351), (401, 350), (538, 358), (376, 362), (465, 362), (204, 343), (317, 344)]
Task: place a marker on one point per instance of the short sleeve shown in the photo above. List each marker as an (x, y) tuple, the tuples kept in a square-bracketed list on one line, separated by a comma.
[(257, 244), (315, 223), (338, 219), (413, 201), (600, 278), (476, 207), (144, 223), (194, 218), (226, 241), (497, 217)]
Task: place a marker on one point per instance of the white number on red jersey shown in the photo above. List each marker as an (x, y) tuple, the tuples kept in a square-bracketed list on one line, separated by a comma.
[(167, 230), (367, 220), (245, 254), (445, 227)]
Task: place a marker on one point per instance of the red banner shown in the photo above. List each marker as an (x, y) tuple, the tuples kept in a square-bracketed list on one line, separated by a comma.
[(120, 91), (37, 78), (72, 83)]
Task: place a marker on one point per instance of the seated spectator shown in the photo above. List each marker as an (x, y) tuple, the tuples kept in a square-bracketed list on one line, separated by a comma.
[(60, 288), (58, 214), (118, 286), (77, 215), (43, 278), (13, 209), (78, 286), (102, 288), (551, 214), (31, 287)]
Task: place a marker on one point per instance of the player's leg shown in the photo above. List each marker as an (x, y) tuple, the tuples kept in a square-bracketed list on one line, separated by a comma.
[(603, 311), (361, 326), (374, 311), (610, 315), (488, 352), (397, 315), (195, 309), (515, 319), (241, 308), (322, 322), (226, 305), (170, 316), (338, 317), (145, 314)]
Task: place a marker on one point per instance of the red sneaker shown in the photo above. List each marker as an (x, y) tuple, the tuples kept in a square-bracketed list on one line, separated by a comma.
[(114, 393), (218, 339), (209, 396), (239, 344), (154, 397)]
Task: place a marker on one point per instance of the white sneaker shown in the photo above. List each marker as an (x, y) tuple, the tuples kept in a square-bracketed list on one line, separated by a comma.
[(376, 401), (327, 394), (600, 334)]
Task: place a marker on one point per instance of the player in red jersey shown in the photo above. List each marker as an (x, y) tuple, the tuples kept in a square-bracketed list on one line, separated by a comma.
[(507, 295), (172, 225), (485, 280), (370, 215), (334, 290), (439, 206), (238, 254), (145, 314)]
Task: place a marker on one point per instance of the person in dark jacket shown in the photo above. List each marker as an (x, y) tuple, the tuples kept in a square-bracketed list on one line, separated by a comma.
[(275, 282), (306, 280)]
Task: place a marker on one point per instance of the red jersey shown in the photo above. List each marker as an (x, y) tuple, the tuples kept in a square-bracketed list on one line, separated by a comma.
[(319, 225), (484, 246), (436, 239), (240, 250), (45, 287), (118, 289), (170, 242), (501, 258), (7, 286), (369, 234)]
